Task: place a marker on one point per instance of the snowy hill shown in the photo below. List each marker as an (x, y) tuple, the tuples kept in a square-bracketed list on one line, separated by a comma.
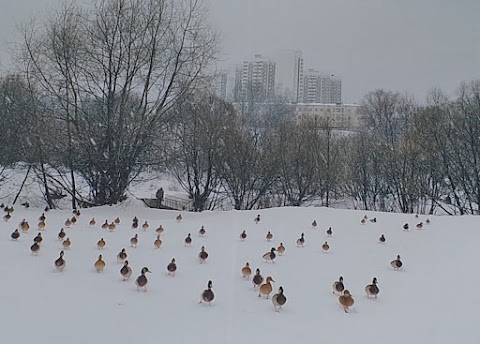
[(432, 299)]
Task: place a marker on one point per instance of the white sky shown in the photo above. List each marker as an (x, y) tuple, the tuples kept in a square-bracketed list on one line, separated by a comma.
[(401, 45)]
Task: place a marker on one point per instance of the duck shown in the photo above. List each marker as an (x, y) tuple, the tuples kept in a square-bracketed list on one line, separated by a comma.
[(60, 263), (279, 299), (179, 218), (405, 227), (112, 226), (61, 234), (365, 217), (145, 226), (363, 221), (122, 256), (374, 220), (203, 255), (101, 244), (77, 212), (73, 220), (314, 224), (269, 236), (135, 219), (158, 242), (38, 239), (92, 222), (66, 244), (188, 240), (266, 288), (35, 248), (301, 240), (281, 249), (25, 226), (201, 231), (68, 223), (246, 271), (270, 255), (207, 294), (396, 263), (243, 235), (346, 300), (338, 286), (134, 225), (15, 235), (329, 231), (381, 239), (427, 221), (257, 279), (419, 225), (172, 267), (99, 264), (257, 219), (126, 271), (416, 216), (325, 247), (117, 220), (42, 217), (372, 289), (105, 225), (7, 217), (142, 280), (159, 230), (134, 241)]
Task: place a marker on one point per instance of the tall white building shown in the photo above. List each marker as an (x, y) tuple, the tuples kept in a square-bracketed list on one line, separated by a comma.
[(220, 84), (255, 81), (289, 75), (320, 88)]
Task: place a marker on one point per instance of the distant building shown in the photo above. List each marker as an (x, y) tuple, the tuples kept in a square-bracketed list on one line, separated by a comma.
[(289, 75), (319, 88), (220, 84), (255, 81), (340, 116)]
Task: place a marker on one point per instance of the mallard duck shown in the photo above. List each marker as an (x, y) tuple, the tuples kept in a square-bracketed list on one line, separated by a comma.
[(301, 240), (105, 225), (372, 289), (405, 227), (346, 300), (68, 223), (134, 241), (207, 295), (279, 299), (158, 242), (396, 264), (99, 264), (126, 271), (382, 239), (266, 288), (188, 240), (203, 255), (325, 247), (77, 212), (374, 220), (270, 255), (66, 244), (269, 236), (35, 248), (135, 225), (42, 217), (112, 226), (60, 263), (7, 217), (281, 249), (246, 271), (117, 221), (135, 219), (363, 221), (92, 222), (257, 219), (101, 244), (142, 280), (243, 235), (15, 235), (145, 226), (257, 279), (122, 256), (329, 231), (25, 226), (338, 286), (172, 267), (159, 230), (365, 217), (201, 231), (179, 218), (38, 239), (419, 225), (314, 224), (427, 221), (416, 216), (61, 234), (73, 220)]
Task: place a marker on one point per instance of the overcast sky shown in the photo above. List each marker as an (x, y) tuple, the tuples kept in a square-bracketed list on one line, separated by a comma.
[(401, 45)]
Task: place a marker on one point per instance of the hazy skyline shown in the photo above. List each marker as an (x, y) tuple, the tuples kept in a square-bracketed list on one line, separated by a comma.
[(399, 45)]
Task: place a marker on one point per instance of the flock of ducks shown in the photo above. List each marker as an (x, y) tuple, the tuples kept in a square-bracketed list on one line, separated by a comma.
[(264, 285)]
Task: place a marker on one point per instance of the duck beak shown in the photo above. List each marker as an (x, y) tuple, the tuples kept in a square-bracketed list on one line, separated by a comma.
[(273, 280)]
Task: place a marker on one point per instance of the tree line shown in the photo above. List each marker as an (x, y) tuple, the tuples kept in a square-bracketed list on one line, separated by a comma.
[(106, 91)]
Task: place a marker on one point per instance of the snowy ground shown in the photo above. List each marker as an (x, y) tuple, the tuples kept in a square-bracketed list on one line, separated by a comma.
[(431, 300)]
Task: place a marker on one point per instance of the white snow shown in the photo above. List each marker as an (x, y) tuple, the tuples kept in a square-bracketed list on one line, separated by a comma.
[(431, 300)]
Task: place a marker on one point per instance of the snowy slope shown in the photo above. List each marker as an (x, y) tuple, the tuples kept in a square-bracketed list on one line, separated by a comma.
[(431, 300)]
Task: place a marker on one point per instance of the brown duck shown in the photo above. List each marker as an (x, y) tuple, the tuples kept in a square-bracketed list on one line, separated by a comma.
[(346, 300)]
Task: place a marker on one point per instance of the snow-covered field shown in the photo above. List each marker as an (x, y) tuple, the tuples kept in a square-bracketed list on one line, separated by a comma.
[(432, 299)]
